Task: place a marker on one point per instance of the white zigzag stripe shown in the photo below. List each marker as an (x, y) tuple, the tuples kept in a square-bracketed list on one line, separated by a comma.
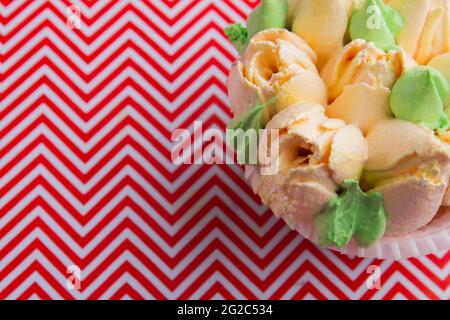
[(98, 6), (187, 33), (180, 26), (127, 192), (35, 278), (216, 278), (440, 273), (171, 207), (86, 126), (211, 72), (170, 229), (184, 284), (124, 257), (132, 282), (84, 167), (127, 235), (113, 46)]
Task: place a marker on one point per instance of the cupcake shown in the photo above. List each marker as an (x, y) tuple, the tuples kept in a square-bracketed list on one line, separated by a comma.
[(350, 101)]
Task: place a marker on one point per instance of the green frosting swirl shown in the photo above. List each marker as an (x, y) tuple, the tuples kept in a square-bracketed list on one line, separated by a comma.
[(353, 213), (269, 14), (238, 35), (420, 95), (376, 22)]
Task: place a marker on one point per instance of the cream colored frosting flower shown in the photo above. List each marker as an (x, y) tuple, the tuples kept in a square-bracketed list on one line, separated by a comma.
[(426, 31), (275, 63), (359, 78), (362, 62), (346, 165), (316, 154), (322, 23), (410, 167)]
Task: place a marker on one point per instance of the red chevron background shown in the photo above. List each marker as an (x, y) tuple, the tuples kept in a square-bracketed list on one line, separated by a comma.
[(86, 176)]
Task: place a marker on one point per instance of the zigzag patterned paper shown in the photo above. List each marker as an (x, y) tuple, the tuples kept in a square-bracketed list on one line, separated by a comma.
[(86, 176)]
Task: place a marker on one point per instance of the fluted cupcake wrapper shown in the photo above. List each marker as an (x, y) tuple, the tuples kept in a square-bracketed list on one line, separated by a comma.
[(432, 238)]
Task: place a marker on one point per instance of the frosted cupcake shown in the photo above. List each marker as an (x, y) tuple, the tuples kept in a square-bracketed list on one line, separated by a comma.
[(358, 92)]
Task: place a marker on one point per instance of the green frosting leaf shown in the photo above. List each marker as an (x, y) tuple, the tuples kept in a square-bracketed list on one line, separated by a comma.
[(371, 222), (238, 35), (376, 22), (353, 213), (252, 120), (269, 14), (420, 95)]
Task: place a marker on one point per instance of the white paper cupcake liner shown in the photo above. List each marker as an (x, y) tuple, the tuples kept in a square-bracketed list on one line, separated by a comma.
[(432, 238)]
